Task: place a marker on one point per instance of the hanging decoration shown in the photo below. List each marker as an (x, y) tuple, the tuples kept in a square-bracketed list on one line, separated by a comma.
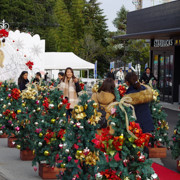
[(4, 27), (29, 64)]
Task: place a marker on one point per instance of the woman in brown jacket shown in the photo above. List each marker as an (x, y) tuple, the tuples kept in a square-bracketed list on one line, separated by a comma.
[(105, 96)]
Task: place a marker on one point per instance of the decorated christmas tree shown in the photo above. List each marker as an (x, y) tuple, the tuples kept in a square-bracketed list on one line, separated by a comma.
[(50, 128), (9, 102), (160, 134), (175, 148), (125, 158), (79, 155), (28, 114)]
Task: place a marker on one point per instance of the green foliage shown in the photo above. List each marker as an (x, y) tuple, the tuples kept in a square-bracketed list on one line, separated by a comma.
[(79, 133), (175, 147), (160, 134), (135, 51), (128, 164), (8, 108)]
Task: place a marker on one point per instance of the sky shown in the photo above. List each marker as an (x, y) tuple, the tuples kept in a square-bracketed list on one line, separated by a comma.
[(111, 7)]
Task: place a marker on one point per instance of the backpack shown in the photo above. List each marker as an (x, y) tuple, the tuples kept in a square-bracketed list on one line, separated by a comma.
[(102, 122)]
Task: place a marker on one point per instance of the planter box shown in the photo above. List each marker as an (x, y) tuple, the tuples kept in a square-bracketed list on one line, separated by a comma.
[(26, 155), (11, 143), (178, 165), (157, 152), (47, 172), (4, 135)]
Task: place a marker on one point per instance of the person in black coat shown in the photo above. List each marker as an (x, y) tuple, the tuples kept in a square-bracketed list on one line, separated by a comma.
[(143, 113), (23, 80), (37, 78), (147, 76), (110, 74)]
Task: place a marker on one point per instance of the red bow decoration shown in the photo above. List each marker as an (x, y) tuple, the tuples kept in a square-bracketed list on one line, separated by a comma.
[(122, 90), (3, 33), (65, 101), (15, 93), (61, 133), (9, 112), (143, 138), (48, 136), (110, 174), (29, 64), (46, 104), (82, 85)]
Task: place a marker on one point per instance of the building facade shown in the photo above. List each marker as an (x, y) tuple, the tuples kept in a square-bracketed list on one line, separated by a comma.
[(160, 24)]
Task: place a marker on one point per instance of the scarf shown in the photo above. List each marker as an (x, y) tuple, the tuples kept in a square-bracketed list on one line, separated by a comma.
[(69, 90)]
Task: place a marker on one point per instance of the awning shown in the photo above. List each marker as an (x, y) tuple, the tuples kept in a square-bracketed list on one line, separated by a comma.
[(158, 34)]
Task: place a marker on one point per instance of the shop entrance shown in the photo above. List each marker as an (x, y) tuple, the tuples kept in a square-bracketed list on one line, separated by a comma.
[(163, 66)]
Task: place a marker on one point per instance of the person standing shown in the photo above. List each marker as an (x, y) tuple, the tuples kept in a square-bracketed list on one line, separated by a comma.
[(46, 76), (37, 78), (120, 76), (141, 99), (104, 97), (147, 76), (60, 77), (23, 80), (110, 74), (70, 87)]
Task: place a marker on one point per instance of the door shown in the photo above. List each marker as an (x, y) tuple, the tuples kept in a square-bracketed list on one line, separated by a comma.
[(163, 66)]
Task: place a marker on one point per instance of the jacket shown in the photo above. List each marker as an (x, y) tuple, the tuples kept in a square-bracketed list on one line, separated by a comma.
[(22, 84), (120, 75), (146, 78), (104, 99), (111, 75), (142, 109)]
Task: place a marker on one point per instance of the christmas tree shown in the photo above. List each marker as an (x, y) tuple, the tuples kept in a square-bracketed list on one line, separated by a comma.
[(50, 128), (80, 156), (160, 134), (125, 158), (28, 114), (9, 102), (175, 148)]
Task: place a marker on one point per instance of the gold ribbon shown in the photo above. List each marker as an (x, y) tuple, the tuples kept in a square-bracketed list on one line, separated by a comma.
[(125, 101)]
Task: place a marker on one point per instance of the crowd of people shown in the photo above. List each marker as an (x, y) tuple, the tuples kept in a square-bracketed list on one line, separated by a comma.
[(70, 87)]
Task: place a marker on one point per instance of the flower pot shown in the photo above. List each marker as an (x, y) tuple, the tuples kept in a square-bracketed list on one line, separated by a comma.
[(47, 172), (4, 135), (178, 165), (11, 142), (26, 155), (157, 152)]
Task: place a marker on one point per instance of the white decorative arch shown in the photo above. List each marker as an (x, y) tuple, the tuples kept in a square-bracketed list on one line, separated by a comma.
[(20, 48)]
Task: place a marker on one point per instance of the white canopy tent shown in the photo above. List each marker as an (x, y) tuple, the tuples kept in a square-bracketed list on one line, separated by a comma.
[(56, 61)]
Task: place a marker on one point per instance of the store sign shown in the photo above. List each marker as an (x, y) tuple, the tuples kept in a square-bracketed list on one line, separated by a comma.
[(163, 43)]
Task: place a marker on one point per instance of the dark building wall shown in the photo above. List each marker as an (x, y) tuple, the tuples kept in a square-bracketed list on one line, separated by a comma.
[(176, 73), (165, 16)]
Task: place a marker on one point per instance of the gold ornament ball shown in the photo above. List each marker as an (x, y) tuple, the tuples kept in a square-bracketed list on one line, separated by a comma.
[(53, 121), (95, 105), (46, 153), (23, 104), (175, 131), (18, 146), (34, 151), (79, 152), (19, 111), (64, 114), (85, 106), (40, 135), (63, 165), (38, 109)]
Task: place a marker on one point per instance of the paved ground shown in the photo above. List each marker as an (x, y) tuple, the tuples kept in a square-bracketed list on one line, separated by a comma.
[(172, 120), (11, 167)]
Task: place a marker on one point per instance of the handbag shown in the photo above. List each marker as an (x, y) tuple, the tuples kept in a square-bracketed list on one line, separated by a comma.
[(102, 122)]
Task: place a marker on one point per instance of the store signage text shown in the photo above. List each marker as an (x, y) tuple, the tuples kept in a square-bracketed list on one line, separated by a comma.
[(163, 43)]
